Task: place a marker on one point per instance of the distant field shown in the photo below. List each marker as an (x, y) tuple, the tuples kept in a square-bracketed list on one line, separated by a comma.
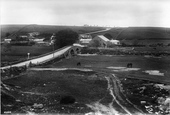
[(139, 33), (17, 29), (23, 50), (129, 35), (100, 62), (20, 52), (147, 41), (145, 33), (158, 49)]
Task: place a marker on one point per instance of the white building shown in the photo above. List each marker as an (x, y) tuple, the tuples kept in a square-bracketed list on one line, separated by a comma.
[(33, 34), (103, 41), (116, 42), (23, 36), (7, 40), (38, 40), (85, 36), (84, 41)]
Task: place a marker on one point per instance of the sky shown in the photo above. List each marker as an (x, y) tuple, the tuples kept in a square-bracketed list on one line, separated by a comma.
[(112, 13)]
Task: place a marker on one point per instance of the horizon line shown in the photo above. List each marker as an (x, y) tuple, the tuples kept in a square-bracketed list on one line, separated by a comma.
[(86, 25)]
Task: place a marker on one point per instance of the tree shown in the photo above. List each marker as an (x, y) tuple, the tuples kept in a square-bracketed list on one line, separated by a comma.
[(6, 47), (65, 37), (7, 34), (95, 43)]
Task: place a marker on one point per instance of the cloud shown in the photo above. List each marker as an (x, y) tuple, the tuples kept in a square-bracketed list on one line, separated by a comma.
[(79, 12)]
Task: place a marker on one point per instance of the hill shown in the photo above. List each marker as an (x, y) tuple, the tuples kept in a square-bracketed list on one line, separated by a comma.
[(140, 35), (145, 33), (22, 29), (128, 35)]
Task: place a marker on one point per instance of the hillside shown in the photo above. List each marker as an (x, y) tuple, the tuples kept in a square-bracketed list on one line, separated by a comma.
[(145, 33), (140, 35), (21, 29), (131, 33), (128, 35)]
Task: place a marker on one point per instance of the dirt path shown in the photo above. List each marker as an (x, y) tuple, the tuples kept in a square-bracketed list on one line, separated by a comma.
[(115, 90), (119, 94)]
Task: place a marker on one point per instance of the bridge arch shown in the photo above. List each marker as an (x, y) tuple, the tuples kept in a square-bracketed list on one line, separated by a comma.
[(72, 52), (77, 50), (66, 54)]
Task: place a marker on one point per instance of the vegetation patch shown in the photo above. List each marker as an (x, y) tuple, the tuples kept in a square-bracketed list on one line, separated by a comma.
[(55, 91)]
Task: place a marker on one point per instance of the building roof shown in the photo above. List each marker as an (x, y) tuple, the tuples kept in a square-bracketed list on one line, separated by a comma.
[(85, 36), (85, 40), (114, 41), (38, 40), (103, 38), (7, 39)]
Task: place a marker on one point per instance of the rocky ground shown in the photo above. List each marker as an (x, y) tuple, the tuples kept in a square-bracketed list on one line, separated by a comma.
[(147, 95)]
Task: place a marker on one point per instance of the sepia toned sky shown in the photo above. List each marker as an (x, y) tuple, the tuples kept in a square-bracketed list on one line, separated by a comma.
[(120, 13)]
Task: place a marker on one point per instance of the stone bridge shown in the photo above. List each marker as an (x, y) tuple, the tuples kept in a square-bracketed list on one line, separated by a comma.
[(65, 52), (72, 51)]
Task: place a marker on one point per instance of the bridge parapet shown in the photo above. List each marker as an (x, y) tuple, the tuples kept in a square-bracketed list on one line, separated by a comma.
[(73, 51)]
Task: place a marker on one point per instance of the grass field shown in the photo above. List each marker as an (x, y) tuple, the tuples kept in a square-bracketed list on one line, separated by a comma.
[(23, 50), (101, 62), (157, 49), (17, 53), (145, 33), (48, 87)]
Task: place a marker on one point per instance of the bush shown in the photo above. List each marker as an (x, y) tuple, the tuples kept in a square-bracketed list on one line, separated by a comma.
[(65, 37), (6, 47), (94, 43)]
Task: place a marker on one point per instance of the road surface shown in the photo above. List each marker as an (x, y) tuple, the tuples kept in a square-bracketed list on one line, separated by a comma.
[(40, 59), (107, 29)]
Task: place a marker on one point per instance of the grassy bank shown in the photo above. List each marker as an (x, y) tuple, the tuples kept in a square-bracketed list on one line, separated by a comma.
[(49, 87), (19, 53)]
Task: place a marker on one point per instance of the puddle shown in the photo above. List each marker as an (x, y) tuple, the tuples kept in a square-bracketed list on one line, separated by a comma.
[(116, 67), (108, 55), (87, 54), (60, 69), (120, 69), (148, 56), (87, 66), (154, 72)]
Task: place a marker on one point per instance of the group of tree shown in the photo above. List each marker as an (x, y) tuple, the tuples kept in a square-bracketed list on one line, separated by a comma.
[(18, 38), (7, 34), (95, 43), (62, 38), (65, 37), (6, 47)]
